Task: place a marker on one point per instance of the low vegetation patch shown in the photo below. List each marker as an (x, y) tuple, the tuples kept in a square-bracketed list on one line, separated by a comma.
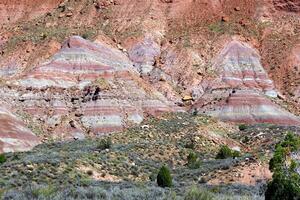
[(195, 193), (226, 152), (242, 127), (193, 161), (104, 144), (103, 84)]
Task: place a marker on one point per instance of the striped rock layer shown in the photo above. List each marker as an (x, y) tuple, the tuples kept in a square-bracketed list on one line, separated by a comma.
[(239, 94), (251, 107), (14, 136), (103, 91), (239, 66), (143, 55), (77, 64)]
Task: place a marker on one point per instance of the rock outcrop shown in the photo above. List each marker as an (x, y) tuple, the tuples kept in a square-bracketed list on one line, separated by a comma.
[(239, 93), (143, 55), (244, 106), (240, 67), (251, 107), (155, 53), (78, 63), (14, 136), (94, 85)]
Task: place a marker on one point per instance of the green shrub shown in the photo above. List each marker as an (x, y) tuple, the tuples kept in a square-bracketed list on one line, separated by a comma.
[(291, 141), (242, 127), (293, 165), (85, 36), (193, 161), (164, 178), (285, 184), (226, 152), (283, 187), (278, 158), (236, 154), (104, 144), (195, 193), (246, 139), (2, 158)]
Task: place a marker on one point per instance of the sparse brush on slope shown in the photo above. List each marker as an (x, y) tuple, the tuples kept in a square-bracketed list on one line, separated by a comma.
[(196, 193), (193, 161), (104, 144)]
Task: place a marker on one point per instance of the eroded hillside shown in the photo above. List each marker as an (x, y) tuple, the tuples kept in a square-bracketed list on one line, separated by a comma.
[(153, 75)]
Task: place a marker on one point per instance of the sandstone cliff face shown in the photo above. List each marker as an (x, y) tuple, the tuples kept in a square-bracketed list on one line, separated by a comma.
[(78, 63), (293, 72)]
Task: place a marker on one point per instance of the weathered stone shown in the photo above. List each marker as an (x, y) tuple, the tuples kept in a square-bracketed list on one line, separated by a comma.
[(143, 55), (111, 94), (239, 66), (187, 98), (14, 134), (251, 107)]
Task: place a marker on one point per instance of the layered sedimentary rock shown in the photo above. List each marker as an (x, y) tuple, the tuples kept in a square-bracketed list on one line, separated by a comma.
[(251, 107), (143, 55), (95, 84), (77, 64), (14, 135), (239, 66), (239, 94)]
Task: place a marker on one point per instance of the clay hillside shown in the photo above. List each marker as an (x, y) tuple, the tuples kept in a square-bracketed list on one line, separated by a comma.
[(150, 99)]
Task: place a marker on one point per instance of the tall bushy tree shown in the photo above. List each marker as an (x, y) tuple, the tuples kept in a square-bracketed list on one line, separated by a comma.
[(285, 184)]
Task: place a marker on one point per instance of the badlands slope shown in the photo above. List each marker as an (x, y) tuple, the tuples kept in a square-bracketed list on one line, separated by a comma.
[(227, 60), (97, 95)]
